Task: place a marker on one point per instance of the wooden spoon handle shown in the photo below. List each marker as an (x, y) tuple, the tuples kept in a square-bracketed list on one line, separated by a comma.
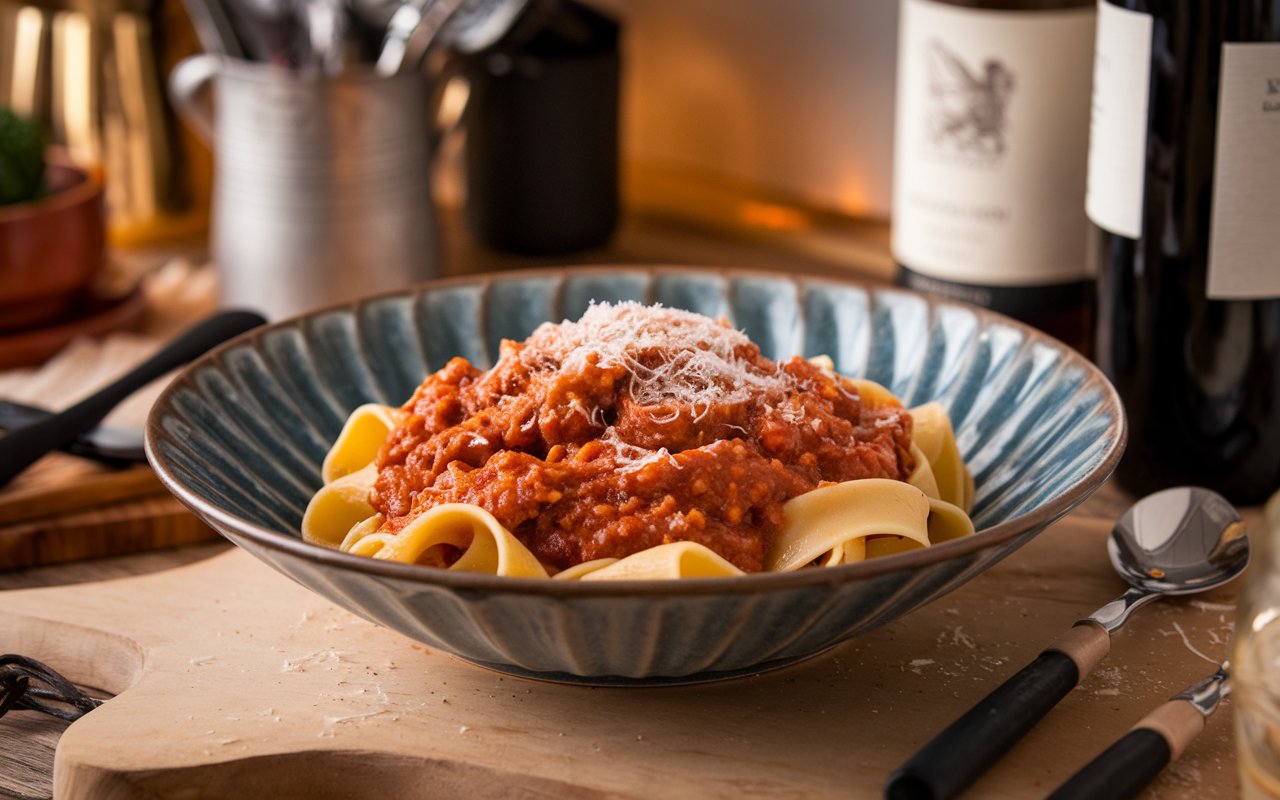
[(20, 448), (955, 758)]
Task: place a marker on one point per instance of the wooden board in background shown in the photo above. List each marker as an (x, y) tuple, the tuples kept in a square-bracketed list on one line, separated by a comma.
[(59, 484), (68, 509), (235, 681)]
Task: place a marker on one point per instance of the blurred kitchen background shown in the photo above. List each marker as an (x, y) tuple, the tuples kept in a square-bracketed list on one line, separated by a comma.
[(761, 100), (744, 118), (93, 73)]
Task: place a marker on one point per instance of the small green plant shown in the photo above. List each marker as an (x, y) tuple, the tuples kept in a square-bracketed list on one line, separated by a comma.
[(21, 158)]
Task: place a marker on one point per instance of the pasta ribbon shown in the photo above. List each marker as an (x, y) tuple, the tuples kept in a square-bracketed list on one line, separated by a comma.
[(946, 522), (873, 394), (674, 560), (485, 545), (578, 570), (338, 506), (364, 528), (922, 476), (933, 435), (834, 517), (358, 443)]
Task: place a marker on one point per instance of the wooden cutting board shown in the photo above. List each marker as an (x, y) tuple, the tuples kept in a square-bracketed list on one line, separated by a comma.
[(234, 681)]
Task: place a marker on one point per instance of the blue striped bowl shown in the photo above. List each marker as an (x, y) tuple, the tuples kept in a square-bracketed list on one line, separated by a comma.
[(239, 437)]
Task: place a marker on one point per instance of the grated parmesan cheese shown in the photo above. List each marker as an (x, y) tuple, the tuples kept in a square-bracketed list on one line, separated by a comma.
[(671, 356), (633, 457)]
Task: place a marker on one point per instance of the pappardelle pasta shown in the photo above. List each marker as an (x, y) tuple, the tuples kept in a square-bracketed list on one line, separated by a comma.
[(641, 442)]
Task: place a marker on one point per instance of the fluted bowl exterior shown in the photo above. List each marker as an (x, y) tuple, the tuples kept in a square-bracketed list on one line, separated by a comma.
[(239, 437)]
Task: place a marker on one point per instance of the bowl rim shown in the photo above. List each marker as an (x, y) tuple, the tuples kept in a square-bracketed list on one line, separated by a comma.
[(1037, 520)]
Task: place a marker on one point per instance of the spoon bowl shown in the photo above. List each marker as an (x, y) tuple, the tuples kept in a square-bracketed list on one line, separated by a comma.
[(1179, 541)]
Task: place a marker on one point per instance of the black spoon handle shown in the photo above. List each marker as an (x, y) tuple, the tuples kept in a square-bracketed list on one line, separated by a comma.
[(956, 757), (1122, 770), (20, 448), (115, 448)]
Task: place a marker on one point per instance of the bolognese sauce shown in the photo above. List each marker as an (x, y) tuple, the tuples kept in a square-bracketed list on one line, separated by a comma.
[(633, 427)]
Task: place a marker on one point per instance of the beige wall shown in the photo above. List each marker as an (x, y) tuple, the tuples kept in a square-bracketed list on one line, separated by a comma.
[(795, 96)]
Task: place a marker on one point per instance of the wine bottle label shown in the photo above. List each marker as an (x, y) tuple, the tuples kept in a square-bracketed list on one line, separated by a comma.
[(1243, 258), (991, 144), (1118, 140)]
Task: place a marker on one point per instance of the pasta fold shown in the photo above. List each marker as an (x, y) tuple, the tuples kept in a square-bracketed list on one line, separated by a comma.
[(361, 437), (674, 560), (486, 546), (338, 507), (946, 522), (830, 518), (932, 433), (873, 394), (922, 476), (579, 570)]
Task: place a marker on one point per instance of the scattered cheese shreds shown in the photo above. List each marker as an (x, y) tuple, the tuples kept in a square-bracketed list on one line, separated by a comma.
[(671, 356)]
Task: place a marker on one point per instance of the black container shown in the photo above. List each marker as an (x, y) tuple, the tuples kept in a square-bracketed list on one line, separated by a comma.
[(542, 132)]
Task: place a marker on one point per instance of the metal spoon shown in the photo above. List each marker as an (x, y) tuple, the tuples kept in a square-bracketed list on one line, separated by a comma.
[(1179, 541), (411, 31), (480, 23), (467, 25)]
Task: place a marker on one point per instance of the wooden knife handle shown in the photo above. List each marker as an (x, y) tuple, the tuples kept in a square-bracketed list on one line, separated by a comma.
[(1120, 771), (1126, 767)]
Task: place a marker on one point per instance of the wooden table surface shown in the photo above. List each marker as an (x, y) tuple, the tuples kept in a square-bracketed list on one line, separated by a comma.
[(865, 706), (1024, 602)]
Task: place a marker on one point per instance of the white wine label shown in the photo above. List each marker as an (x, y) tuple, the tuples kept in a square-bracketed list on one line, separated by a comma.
[(991, 144), (1244, 262), (1118, 138)]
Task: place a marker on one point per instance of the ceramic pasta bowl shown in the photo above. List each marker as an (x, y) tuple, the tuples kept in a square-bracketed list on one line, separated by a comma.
[(240, 436)]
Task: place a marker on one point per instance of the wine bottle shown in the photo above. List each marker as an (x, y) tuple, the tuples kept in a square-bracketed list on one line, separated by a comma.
[(991, 144), (1184, 190)]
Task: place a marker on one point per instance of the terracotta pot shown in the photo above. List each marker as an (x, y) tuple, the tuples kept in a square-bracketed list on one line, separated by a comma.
[(51, 248)]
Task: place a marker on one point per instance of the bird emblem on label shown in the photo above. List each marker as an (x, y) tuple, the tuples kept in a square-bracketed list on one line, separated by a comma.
[(968, 109)]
